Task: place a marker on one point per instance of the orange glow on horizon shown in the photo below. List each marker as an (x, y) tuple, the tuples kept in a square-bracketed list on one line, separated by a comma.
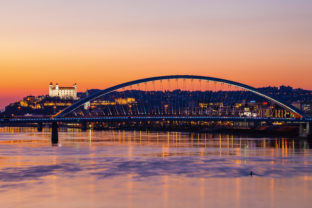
[(103, 44)]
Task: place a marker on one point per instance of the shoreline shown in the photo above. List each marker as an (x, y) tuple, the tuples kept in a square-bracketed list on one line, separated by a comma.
[(267, 131)]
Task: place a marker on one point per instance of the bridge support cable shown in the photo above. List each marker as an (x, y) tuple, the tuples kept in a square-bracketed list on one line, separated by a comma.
[(132, 94), (146, 94), (124, 111), (177, 98), (105, 110), (143, 108)]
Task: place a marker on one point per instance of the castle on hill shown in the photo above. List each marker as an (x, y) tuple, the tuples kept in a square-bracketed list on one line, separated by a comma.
[(63, 92)]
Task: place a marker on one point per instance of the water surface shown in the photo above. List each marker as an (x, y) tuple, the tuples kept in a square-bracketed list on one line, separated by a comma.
[(152, 169)]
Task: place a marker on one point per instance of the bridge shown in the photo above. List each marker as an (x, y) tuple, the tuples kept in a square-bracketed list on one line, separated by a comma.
[(176, 98)]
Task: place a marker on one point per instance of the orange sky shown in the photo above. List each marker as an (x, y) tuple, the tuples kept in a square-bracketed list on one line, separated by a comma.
[(101, 43)]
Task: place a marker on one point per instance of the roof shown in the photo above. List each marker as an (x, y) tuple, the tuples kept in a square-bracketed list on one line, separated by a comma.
[(64, 88)]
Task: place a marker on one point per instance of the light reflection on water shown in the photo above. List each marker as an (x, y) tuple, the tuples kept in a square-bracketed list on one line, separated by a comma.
[(152, 169)]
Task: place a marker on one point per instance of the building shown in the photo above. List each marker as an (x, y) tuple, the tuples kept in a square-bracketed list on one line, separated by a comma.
[(87, 105), (63, 92)]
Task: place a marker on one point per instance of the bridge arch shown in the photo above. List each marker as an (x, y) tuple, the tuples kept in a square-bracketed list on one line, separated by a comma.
[(94, 96)]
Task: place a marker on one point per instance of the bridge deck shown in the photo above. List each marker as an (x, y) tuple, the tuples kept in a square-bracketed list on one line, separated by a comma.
[(150, 118)]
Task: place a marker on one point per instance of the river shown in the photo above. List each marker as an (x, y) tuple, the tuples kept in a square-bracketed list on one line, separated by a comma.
[(152, 169)]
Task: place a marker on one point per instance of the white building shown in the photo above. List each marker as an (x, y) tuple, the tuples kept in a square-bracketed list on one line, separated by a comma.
[(87, 105), (63, 92)]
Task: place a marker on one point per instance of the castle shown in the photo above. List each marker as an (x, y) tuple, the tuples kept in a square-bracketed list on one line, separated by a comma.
[(63, 92)]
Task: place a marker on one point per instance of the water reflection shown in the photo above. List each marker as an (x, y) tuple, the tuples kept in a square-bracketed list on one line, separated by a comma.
[(145, 166)]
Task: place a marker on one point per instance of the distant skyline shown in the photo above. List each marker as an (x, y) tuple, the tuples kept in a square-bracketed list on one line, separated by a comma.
[(102, 43)]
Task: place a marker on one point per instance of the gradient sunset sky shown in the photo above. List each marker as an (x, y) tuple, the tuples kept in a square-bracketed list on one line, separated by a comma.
[(98, 43)]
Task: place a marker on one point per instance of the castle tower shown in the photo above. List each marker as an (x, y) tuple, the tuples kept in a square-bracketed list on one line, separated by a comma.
[(75, 91), (51, 89)]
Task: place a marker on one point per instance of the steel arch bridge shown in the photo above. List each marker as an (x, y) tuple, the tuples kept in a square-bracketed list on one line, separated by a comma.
[(109, 90)]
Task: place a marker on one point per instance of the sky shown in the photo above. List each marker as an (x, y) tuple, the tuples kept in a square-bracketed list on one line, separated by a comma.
[(100, 43)]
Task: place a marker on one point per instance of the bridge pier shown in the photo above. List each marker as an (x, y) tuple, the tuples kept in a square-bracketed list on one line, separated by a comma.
[(54, 135), (241, 124), (304, 129), (257, 124), (84, 126), (39, 127)]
